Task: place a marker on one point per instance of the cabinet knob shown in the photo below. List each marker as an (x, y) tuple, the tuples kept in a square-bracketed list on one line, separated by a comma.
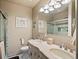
[(39, 56), (30, 53)]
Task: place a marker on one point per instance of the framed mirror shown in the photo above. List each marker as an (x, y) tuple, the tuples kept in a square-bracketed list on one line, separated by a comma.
[(60, 20)]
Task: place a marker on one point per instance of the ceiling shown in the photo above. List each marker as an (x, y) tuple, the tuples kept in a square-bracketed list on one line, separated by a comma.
[(28, 3)]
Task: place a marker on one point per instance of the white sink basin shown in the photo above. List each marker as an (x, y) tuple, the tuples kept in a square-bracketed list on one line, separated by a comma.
[(61, 53), (24, 48)]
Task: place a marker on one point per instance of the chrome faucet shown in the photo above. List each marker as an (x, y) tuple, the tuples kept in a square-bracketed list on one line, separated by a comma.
[(22, 41)]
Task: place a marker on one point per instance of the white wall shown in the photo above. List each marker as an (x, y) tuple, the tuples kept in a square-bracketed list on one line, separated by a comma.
[(13, 33)]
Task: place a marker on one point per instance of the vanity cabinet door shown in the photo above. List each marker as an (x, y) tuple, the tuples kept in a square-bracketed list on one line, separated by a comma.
[(34, 52), (42, 56)]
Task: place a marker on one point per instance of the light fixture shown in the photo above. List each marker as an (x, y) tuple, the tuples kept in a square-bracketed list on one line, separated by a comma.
[(57, 5), (51, 8), (41, 10), (46, 7), (52, 5), (58, 0), (46, 11), (65, 1)]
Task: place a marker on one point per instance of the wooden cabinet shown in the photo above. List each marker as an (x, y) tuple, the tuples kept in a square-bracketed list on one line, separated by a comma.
[(35, 53), (42, 56)]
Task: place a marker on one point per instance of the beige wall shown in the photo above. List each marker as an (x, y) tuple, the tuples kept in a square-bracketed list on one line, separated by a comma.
[(13, 33)]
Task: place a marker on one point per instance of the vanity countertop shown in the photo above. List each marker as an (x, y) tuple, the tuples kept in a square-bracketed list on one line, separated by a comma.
[(45, 48)]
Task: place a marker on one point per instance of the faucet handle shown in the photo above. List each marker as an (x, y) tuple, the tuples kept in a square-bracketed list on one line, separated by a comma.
[(22, 41), (60, 46)]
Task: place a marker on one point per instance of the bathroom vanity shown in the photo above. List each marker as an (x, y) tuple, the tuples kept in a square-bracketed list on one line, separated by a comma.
[(41, 50), (35, 53)]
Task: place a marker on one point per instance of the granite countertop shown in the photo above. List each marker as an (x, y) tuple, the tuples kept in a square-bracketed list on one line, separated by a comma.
[(45, 48)]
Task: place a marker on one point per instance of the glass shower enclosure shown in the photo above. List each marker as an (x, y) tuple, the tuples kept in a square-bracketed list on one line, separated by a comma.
[(3, 24)]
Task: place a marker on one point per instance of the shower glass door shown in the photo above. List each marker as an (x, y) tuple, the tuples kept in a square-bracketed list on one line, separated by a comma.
[(1, 28), (3, 24)]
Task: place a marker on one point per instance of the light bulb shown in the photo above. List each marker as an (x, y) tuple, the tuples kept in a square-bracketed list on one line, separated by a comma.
[(51, 8), (65, 1), (46, 7), (41, 10), (58, 0), (46, 11), (57, 5), (51, 3)]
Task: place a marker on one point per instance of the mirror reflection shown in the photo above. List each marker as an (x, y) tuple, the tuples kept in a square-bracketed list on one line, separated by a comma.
[(59, 27), (58, 23), (57, 17)]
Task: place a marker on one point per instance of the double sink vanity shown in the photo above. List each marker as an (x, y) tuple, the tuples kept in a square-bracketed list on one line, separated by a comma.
[(40, 49)]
